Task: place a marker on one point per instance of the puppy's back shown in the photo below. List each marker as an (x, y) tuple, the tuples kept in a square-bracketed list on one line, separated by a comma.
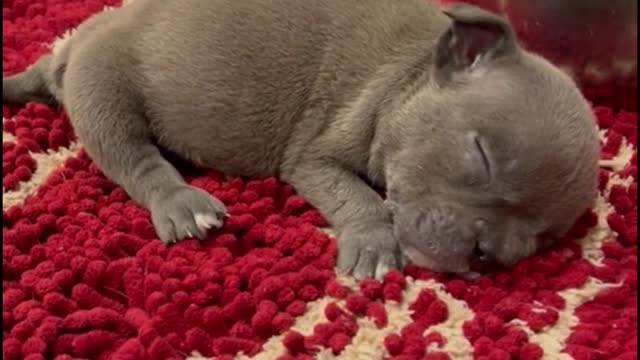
[(248, 72)]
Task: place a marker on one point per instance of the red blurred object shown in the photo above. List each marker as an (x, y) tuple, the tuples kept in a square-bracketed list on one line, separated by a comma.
[(594, 40)]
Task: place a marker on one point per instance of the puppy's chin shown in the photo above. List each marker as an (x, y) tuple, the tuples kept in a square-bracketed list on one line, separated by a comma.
[(418, 258)]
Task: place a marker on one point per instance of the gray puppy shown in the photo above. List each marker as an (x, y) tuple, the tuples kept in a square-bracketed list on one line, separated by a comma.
[(481, 146)]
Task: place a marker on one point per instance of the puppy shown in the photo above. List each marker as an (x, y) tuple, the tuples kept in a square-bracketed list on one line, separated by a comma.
[(484, 149)]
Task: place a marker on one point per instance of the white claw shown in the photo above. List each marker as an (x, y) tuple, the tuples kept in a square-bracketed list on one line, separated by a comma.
[(205, 222), (381, 270), (358, 275)]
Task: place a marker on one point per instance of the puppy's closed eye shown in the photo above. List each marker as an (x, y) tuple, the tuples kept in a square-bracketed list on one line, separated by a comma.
[(481, 147), (478, 160)]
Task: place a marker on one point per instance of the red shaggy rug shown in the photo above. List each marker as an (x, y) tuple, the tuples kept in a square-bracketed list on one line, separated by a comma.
[(83, 275)]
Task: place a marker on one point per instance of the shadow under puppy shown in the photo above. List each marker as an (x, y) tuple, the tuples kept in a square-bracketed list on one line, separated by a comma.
[(483, 148)]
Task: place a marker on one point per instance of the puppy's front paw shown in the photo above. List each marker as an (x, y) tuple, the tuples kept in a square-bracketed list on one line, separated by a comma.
[(186, 212), (367, 250)]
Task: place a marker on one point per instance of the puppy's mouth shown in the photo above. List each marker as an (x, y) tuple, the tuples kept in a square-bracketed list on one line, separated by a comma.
[(474, 266), (456, 266)]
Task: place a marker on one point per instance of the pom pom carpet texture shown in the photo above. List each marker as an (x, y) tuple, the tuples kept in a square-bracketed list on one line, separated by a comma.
[(83, 276)]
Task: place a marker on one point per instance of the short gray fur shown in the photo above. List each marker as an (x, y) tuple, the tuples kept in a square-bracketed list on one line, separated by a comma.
[(478, 143)]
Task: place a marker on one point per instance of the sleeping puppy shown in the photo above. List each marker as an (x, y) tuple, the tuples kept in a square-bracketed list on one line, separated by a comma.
[(485, 150)]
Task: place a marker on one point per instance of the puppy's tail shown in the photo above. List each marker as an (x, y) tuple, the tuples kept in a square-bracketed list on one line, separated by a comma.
[(41, 82)]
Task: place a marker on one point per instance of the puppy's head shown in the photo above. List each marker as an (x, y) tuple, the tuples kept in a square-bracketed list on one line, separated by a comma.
[(498, 152)]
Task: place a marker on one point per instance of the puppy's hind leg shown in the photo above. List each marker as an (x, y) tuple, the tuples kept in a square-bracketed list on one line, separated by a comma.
[(107, 114), (33, 84)]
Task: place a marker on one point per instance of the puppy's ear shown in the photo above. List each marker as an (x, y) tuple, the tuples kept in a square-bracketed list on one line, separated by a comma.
[(475, 38)]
